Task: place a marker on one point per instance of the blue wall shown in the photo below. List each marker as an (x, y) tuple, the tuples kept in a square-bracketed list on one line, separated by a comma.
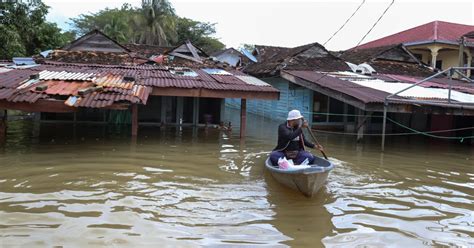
[(291, 97)]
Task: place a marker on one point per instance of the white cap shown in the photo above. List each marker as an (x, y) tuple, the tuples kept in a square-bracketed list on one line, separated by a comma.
[(294, 115)]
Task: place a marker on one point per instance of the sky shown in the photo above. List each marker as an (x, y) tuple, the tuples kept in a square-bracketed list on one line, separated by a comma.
[(292, 23)]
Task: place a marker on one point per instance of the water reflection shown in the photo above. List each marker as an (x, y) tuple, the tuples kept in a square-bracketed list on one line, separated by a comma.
[(185, 187)]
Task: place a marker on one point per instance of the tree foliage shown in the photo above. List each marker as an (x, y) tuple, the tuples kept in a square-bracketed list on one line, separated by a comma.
[(199, 33), (154, 23), (25, 31)]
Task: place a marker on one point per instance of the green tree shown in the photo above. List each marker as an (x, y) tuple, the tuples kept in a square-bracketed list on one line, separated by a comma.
[(199, 33), (156, 23), (113, 22), (12, 45), (26, 32), (116, 29)]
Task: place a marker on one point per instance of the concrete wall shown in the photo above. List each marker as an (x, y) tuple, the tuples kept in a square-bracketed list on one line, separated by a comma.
[(450, 58), (448, 54)]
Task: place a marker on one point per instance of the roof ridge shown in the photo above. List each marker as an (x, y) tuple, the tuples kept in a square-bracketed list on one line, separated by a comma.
[(274, 46), (434, 30)]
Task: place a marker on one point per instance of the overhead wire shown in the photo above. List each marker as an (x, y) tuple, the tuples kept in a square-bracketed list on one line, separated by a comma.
[(375, 24), (366, 34), (344, 24)]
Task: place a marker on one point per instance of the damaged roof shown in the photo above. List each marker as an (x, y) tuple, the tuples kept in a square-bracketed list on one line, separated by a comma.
[(76, 88), (232, 57), (307, 57), (92, 57), (147, 50), (393, 59), (374, 90), (96, 41), (99, 86), (264, 53)]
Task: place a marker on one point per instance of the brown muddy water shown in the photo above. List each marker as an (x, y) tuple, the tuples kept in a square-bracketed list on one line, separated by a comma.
[(92, 186)]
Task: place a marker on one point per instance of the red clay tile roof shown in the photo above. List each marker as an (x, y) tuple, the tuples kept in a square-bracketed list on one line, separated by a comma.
[(438, 31)]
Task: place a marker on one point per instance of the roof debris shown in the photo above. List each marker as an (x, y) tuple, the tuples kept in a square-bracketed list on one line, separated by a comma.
[(308, 57), (393, 59)]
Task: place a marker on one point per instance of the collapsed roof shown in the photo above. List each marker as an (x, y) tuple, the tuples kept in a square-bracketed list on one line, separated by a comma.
[(393, 59), (307, 57)]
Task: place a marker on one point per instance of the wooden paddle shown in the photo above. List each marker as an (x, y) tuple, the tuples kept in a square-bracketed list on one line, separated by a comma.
[(316, 141)]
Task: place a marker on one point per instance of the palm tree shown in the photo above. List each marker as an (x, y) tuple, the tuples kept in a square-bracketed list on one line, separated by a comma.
[(116, 29), (155, 23)]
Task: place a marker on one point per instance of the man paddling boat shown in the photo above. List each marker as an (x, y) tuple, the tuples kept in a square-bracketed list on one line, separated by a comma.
[(292, 142)]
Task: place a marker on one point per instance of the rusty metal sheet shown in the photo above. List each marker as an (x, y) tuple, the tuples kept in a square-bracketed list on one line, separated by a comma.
[(67, 79)]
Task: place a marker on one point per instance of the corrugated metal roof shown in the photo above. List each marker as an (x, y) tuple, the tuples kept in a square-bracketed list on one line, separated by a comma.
[(369, 89), (249, 55), (213, 71), (116, 81), (417, 92), (364, 94), (66, 88), (64, 75), (3, 69), (433, 83), (23, 61), (67, 79), (253, 81)]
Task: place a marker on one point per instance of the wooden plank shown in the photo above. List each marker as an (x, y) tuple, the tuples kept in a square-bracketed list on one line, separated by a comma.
[(3, 129), (214, 93), (186, 57), (243, 117), (134, 119), (240, 94), (175, 92), (179, 110), (50, 106), (195, 111), (163, 110), (192, 50)]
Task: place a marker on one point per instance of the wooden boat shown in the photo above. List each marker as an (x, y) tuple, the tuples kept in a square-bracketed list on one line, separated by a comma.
[(308, 181)]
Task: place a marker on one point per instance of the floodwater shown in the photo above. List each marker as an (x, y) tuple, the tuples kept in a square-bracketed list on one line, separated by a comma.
[(88, 185)]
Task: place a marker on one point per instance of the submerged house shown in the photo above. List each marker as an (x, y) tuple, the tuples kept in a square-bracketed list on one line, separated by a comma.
[(272, 61), (348, 92), (96, 79)]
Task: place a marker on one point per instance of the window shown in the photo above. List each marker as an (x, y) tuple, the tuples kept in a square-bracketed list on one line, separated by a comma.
[(439, 64)]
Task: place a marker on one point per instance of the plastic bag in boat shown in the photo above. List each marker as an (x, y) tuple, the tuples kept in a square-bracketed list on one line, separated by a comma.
[(286, 164)]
